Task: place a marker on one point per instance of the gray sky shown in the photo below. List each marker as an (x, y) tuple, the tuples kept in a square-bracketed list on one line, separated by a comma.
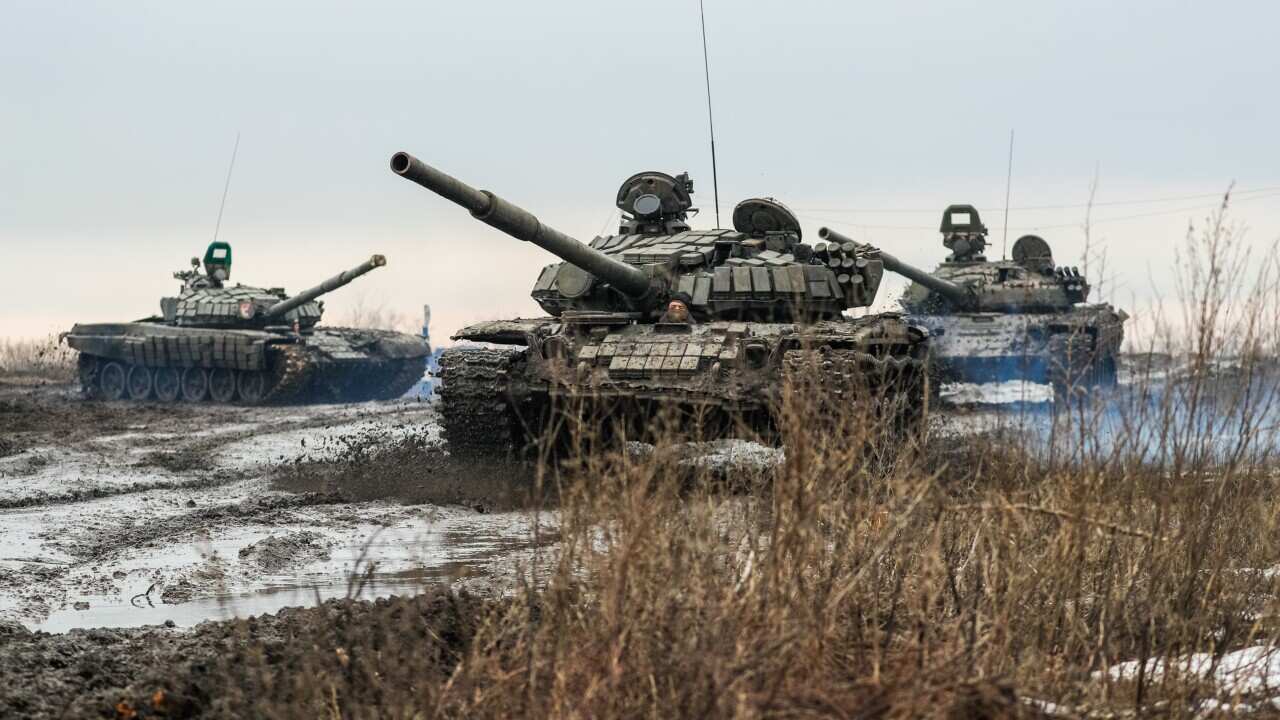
[(118, 121)]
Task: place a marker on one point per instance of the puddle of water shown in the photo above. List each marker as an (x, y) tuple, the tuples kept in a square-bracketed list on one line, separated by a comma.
[(266, 599), (410, 555)]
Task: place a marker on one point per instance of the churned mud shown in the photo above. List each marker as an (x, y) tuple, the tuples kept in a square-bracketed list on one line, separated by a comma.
[(217, 669), (124, 515)]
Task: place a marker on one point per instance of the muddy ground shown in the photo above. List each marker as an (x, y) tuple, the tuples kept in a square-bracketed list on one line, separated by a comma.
[(118, 514), (122, 515), (124, 527), (238, 668)]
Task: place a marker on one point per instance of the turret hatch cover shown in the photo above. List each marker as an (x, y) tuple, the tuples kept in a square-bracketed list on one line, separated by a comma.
[(1033, 252), (757, 216)]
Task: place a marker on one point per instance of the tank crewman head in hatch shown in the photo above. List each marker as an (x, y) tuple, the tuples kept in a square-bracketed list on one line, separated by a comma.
[(217, 262), (678, 310)]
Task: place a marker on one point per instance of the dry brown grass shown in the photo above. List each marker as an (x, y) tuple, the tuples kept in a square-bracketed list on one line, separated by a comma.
[(45, 359), (873, 575)]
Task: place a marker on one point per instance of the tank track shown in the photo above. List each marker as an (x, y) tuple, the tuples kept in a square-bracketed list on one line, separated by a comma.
[(289, 375), (475, 400)]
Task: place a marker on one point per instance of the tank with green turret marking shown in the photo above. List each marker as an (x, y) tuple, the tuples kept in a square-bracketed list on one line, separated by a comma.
[(251, 345)]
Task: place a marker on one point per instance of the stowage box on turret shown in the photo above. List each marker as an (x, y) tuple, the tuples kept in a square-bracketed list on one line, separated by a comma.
[(1019, 319), (660, 315), (245, 344)]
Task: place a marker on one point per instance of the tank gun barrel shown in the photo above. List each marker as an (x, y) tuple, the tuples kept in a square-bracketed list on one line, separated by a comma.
[(522, 225), (327, 286), (956, 293)]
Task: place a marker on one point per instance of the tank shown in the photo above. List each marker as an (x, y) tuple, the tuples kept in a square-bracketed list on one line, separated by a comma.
[(660, 316), (245, 344), (1019, 319)]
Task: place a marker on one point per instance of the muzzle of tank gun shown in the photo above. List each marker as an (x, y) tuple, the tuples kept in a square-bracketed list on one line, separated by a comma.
[(327, 286), (523, 225), (956, 293)]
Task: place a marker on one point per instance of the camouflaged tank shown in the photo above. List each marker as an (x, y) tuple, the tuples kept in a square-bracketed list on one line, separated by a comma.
[(245, 344), (1023, 318), (660, 316)]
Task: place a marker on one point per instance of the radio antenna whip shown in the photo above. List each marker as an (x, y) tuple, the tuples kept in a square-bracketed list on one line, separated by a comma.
[(226, 186), (711, 124), (1008, 185)]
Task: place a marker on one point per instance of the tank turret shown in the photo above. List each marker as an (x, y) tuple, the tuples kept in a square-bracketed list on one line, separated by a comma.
[(205, 301), (968, 282), (759, 270), (327, 286)]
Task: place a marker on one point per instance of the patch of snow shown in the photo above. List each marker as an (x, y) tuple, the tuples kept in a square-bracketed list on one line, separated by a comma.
[(1251, 670), (1001, 393)]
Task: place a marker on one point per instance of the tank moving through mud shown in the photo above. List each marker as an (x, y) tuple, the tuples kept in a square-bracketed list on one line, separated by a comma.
[(1014, 319), (661, 316), (245, 344)]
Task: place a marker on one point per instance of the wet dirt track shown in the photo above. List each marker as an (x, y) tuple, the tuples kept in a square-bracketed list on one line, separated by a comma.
[(120, 515)]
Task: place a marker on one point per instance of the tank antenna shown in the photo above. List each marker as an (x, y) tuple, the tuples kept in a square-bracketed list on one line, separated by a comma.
[(1008, 185), (226, 186), (706, 70)]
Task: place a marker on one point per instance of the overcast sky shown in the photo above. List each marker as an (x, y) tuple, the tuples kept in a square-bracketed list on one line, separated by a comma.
[(119, 119)]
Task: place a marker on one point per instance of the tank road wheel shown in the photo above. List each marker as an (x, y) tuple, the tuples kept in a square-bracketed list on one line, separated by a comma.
[(168, 384), (139, 382), (195, 384), (252, 386), (222, 385), (112, 380)]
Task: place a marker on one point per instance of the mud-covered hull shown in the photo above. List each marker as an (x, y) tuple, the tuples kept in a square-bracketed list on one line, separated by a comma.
[(151, 360), (491, 396), (1080, 346)]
